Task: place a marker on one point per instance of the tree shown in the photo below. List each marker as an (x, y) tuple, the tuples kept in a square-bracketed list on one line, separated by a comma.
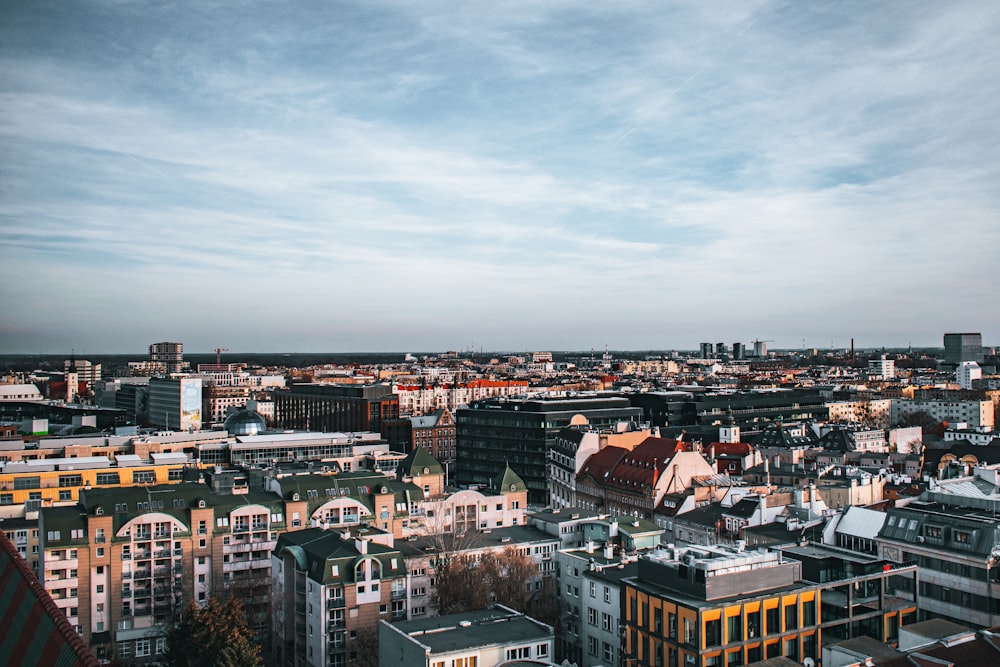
[(216, 634), (467, 582)]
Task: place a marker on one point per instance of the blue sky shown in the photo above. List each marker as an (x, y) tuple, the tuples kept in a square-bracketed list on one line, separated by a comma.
[(394, 176)]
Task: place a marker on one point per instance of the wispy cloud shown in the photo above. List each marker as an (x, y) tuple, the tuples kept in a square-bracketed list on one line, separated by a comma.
[(518, 174)]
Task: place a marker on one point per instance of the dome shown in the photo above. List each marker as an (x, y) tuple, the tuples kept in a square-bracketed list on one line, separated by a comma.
[(245, 422)]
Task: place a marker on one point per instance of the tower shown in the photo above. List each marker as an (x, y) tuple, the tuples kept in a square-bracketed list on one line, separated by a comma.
[(729, 431)]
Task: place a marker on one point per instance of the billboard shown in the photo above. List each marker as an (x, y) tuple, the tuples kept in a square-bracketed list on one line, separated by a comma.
[(190, 404)]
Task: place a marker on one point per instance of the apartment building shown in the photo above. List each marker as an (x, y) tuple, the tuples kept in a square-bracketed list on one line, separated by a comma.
[(573, 446), (122, 560), (328, 587)]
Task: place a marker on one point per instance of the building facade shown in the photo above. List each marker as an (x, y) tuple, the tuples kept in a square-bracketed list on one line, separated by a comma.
[(492, 434)]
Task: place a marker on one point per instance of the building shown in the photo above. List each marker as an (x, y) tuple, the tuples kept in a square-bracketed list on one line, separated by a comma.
[(434, 432), (121, 561), (170, 355), (484, 638), (874, 412), (45, 482), (713, 607), (175, 403), (494, 433), (589, 593), (959, 347), (882, 368), (974, 413), (573, 446), (422, 399), (953, 534), (345, 408), (36, 631), (328, 587), (967, 373), (634, 482)]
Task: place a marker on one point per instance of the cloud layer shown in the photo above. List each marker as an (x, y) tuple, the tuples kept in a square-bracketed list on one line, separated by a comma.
[(518, 175)]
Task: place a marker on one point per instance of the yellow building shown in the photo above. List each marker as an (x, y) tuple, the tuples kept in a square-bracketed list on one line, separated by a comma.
[(51, 481), (716, 607)]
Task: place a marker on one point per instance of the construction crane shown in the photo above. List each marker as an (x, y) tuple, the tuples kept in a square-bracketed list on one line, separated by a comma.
[(218, 354)]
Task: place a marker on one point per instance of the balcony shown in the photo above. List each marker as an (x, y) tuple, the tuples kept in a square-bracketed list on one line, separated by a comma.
[(398, 594), (336, 603), (126, 575), (399, 615), (336, 623), (126, 556)]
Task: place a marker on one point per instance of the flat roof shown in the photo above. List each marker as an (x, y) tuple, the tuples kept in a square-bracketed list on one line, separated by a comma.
[(487, 627)]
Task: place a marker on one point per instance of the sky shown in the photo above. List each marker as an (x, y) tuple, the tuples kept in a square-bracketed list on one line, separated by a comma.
[(420, 176)]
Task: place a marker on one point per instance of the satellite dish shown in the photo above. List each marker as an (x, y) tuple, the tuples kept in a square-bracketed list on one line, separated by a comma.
[(809, 662)]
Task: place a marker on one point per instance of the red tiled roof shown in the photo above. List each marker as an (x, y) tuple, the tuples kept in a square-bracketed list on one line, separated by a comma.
[(645, 463), (36, 630)]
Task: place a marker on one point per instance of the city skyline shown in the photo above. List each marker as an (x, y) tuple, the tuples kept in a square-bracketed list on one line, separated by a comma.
[(400, 177)]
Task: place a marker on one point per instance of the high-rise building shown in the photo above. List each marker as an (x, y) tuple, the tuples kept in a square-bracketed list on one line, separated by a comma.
[(169, 354), (959, 347), (705, 350)]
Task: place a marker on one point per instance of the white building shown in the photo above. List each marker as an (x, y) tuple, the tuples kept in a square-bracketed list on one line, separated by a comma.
[(976, 414), (471, 639), (966, 372), (882, 368)]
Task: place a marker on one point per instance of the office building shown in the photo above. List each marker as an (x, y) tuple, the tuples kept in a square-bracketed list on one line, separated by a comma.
[(959, 347), (345, 408), (714, 607), (175, 403), (494, 433)]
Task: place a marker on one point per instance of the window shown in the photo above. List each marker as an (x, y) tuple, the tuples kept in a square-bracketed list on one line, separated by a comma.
[(70, 480), (6, 498), (142, 648), (734, 629), (607, 621), (963, 537), (125, 649), (592, 616), (791, 617), (593, 589), (773, 617), (608, 653), (541, 650), (143, 477), (107, 478), (607, 594), (65, 494), (592, 646)]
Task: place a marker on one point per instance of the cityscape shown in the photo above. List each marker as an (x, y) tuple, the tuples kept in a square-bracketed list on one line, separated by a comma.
[(660, 333), (729, 504)]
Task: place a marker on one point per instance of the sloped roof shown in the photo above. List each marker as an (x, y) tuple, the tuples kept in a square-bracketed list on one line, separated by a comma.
[(508, 480), (37, 632), (415, 463), (643, 466), (599, 464), (861, 522)]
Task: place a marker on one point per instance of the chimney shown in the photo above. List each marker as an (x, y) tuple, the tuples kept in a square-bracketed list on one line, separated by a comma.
[(590, 546), (361, 544)]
